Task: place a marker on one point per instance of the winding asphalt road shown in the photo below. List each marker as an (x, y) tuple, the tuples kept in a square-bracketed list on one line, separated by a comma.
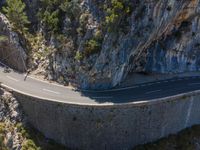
[(141, 92)]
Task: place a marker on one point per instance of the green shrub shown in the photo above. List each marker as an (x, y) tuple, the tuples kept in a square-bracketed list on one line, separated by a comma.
[(115, 11), (83, 19), (3, 38), (50, 19), (98, 36), (71, 8), (2, 136), (2, 128), (91, 47), (79, 56), (29, 145), (16, 15), (22, 130), (51, 13)]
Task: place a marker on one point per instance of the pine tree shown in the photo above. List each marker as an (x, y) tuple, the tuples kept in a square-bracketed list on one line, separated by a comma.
[(16, 15)]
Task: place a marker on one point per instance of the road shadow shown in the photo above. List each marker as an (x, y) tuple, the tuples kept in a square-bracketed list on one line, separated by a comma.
[(115, 97)]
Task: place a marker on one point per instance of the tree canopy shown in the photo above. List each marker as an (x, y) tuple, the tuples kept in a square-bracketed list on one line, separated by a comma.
[(15, 12)]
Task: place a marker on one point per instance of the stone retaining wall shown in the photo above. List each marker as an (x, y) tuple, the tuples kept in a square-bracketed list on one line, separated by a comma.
[(111, 127)]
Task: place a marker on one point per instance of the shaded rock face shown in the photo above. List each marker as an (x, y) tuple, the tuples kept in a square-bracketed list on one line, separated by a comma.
[(2, 2), (172, 44), (11, 51), (160, 37)]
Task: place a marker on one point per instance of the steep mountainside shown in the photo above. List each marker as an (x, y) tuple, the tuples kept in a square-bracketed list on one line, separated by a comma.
[(97, 43), (11, 51), (15, 132)]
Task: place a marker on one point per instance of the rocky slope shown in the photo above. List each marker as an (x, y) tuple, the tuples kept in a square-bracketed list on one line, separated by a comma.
[(15, 132), (9, 115), (152, 37)]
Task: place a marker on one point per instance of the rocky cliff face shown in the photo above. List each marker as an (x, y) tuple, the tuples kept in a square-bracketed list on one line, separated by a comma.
[(154, 37), (11, 51), (10, 115), (15, 132)]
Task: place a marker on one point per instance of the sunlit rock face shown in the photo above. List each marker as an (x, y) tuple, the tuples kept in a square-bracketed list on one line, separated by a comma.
[(162, 37), (11, 51), (157, 37)]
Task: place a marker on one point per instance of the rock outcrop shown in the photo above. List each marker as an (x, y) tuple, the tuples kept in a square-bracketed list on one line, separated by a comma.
[(15, 131), (11, 51), (156, 37), (10, 115), (160, 37)]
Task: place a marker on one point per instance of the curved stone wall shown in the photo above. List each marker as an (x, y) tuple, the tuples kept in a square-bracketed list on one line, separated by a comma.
[(111, 127)]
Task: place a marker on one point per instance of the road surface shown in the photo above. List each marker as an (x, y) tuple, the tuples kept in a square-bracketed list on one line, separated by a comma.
[(140, 92)]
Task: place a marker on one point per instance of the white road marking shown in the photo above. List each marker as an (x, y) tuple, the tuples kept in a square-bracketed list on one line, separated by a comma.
[(89, 103), (150, 92), (158, 82), (12, 78), (50, 91), (194, 84), (103, 97), (48, 82)]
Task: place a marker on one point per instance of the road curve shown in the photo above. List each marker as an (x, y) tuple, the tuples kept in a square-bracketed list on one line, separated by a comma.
[(141, 92)]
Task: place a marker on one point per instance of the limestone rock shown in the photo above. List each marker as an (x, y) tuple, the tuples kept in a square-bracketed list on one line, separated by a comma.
[(11, 51)]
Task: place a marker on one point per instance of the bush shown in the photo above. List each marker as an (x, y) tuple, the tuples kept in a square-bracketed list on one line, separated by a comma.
[(83, 19), (115, 11), (29, 145), (79, 56), (2, 135), (50, 19), (3, 38), (92, 46), (51, 13), (22, 130), (16, 14), (71, 7)]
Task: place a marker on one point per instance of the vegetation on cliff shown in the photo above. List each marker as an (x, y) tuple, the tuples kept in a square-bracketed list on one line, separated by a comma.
[(51, 14), (98, 44), (16, 132), (15, 12), (66, 27)]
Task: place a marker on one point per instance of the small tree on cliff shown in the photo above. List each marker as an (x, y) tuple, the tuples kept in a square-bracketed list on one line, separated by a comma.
[(16, 15)]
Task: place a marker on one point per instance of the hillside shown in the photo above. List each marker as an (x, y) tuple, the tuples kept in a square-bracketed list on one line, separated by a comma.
[(98, 44)]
